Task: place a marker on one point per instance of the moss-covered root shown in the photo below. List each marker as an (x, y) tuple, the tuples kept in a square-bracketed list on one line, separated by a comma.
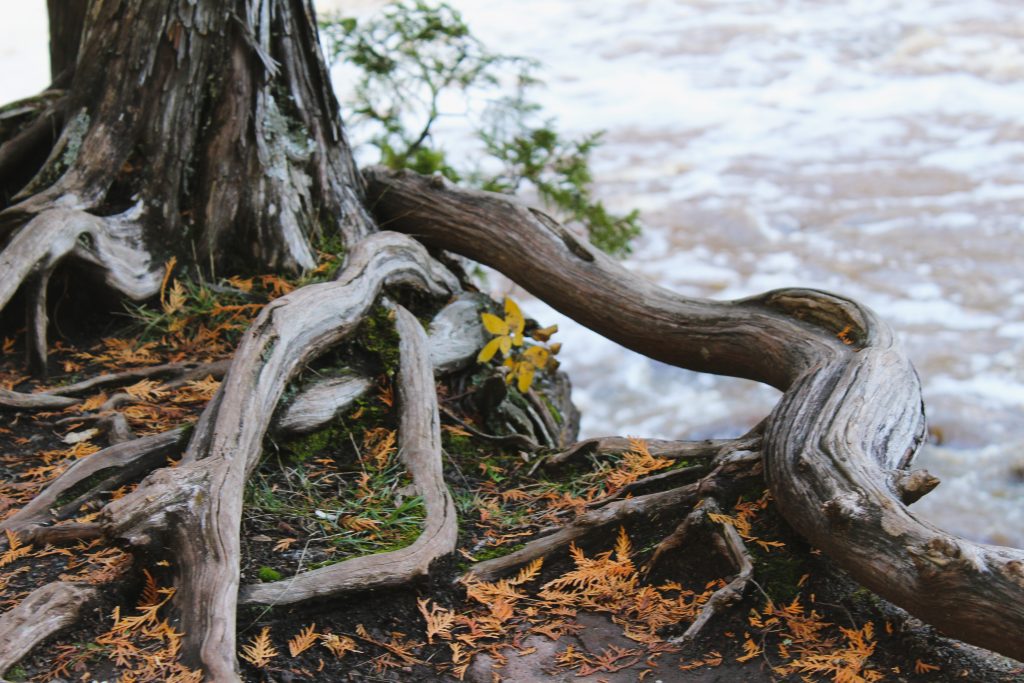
[(420, 449)]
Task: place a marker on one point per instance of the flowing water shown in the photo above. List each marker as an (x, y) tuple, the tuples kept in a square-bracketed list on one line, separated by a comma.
[(869, 147)]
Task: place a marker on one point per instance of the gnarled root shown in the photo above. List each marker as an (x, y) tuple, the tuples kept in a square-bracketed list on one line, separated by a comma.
[(198, 504), (728, 542), (851, 416), (45, 611), (420, 451), (108, 243), (730, 471)]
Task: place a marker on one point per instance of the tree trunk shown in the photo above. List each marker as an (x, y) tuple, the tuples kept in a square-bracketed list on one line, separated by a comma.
[(67, 19), (206, 131)]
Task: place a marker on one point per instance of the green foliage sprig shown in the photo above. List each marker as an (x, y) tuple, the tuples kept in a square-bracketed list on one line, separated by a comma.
[(416, 56)]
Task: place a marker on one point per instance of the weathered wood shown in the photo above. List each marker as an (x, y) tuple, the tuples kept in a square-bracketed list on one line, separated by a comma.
[(45, 611), (456, 335), (419, 448), (37, 247), (259, 156), (850, 419), (659, 448), (731, 470), (121, 463), (197, 506), (20, 401), (67, 19), (322, 402)]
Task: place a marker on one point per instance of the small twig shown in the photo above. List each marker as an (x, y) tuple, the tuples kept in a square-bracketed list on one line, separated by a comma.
[(181, 372), (65, 533), (674, 477), (520, 441), (659, 448), (62, 397), (731, 544)]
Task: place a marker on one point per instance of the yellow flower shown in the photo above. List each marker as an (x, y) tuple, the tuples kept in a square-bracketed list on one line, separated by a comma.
[(533, 359), (509, 332)]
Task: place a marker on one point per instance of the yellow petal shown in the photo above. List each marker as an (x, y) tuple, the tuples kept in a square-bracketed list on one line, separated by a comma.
[(506, 345), (514, 319), (494, 324), (491, 348), (555, 348), (525, 377), (544, 333), (512, 309), (537, 355)]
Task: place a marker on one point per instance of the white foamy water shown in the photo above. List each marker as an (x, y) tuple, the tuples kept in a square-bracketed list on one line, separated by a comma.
[(871, 148)]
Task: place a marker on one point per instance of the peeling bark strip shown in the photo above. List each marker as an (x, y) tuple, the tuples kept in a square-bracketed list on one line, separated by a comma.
[(45, 611), (419, 435), (197, 506), (850, 420)]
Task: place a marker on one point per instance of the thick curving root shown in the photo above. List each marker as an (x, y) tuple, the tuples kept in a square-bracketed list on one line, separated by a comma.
[(420, 452), (196, 507), (44, 612), (836, 446), (193, 509), (110, 244)]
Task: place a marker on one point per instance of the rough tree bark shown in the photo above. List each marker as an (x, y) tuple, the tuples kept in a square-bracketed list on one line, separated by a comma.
[(208, 131)]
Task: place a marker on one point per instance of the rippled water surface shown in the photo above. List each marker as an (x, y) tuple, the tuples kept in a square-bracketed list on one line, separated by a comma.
[(867, 147)]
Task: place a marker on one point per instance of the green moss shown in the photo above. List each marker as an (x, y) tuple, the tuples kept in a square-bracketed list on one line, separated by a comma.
[(378, 336), (458, 446), (267, 574), (556, 414), (497, 551), (314, 444)]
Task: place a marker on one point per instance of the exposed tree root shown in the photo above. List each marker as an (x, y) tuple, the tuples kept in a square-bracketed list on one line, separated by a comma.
[(108, 243), (321, 402), (64, 396), (727, 541), (420, 451), (520, 441), (730, 471), (44, 612), (850, 418), (113, 424), (26, 127), (112, 467), (681, 450), (19, 401), (197, 506)]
